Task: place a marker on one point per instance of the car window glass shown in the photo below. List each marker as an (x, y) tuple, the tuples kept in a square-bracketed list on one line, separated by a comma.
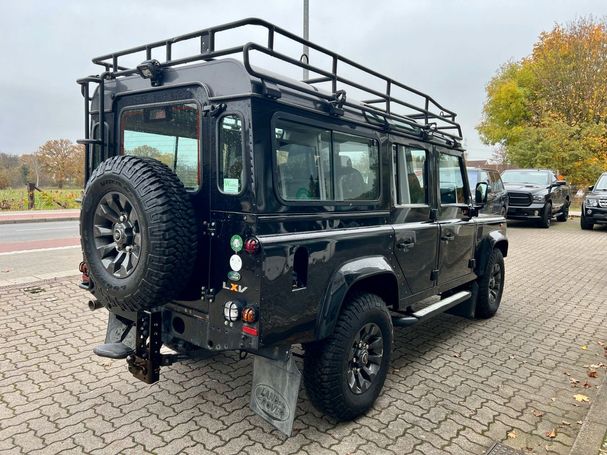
[(451, 180), (169, 134), (411, 175), (318, 164), (231, 169), (472, 178)]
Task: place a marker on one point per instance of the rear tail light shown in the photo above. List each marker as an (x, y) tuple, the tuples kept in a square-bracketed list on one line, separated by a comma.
[(250, 330)]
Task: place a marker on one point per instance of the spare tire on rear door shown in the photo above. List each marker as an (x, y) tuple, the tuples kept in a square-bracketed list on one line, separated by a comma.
[(138, 233)]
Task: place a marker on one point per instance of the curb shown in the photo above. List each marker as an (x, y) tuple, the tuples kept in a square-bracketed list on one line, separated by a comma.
[(10, 284), (590, 437)]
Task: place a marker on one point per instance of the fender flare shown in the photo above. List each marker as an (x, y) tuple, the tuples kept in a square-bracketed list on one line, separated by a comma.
[(341, 282), (494, 239)]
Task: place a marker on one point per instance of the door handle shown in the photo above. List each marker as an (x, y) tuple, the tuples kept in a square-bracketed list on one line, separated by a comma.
[(448, 237), (404, 244)]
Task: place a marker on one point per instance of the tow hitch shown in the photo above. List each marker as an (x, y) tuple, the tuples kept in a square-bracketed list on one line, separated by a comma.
[(142, 352)]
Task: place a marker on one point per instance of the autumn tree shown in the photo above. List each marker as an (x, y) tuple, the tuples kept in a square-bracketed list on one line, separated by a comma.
[(550, 108), (63, 161)]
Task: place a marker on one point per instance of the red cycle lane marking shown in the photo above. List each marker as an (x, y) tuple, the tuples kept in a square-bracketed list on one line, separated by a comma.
[(38, 244)]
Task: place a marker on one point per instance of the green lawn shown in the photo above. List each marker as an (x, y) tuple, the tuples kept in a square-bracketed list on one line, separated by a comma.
[(16, 198)]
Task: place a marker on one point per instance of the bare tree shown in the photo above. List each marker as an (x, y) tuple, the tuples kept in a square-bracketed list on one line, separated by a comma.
[(499, 158)]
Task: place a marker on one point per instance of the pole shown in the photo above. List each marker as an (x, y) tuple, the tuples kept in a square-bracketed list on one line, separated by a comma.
[(306, 33)]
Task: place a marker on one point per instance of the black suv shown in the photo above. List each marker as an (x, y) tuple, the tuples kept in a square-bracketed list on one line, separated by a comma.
[(497, 196), (229, 208), (536, 194), (594, 207)]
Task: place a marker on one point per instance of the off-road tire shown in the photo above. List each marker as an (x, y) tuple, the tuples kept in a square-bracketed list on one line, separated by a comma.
[(486, 303), (564, 215), (167, 227), (584, 223), (544, 222), (326, 361)]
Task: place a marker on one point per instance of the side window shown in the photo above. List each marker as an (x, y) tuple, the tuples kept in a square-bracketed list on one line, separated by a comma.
[(231, 170), (451, 180), (316, 164), (170, 134), (411, 175), (303, 159), (356, 161)]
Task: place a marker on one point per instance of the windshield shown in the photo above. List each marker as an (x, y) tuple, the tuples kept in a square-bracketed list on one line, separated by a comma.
[(532, 177), (602, 183)]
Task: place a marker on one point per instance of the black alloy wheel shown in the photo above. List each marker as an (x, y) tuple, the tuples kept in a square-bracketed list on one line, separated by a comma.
[(495, 283), (117, 233), (365, 358)]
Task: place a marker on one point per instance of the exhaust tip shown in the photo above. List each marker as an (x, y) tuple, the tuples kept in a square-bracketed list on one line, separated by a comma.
[(94, 305)]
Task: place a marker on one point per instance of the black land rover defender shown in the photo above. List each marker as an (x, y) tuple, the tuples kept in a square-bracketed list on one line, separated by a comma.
[(229, 208), (594, 207)]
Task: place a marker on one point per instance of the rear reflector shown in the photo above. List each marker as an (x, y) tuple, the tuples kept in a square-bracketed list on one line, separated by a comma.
[(250, 330)]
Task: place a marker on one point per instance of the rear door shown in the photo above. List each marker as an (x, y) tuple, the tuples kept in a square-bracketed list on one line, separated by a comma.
[(457, 229), (169, 126)]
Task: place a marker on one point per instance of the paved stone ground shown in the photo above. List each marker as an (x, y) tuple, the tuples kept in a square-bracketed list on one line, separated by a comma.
[(456, 385)]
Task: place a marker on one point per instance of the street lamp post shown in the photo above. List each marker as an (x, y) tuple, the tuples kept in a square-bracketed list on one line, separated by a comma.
[(305, 57)]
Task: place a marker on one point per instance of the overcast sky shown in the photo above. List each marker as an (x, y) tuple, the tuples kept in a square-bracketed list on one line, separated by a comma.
[(446, 48)]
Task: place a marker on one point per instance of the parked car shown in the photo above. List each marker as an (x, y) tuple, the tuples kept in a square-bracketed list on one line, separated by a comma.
[(594, 207), (497, 197), (536, 194), (230, 208)]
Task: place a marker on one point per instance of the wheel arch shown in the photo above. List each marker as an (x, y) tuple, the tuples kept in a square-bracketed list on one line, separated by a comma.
[(370, 274), (495, 239)]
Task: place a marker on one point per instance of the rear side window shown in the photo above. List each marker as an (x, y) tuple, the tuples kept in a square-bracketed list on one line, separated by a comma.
[(316, 164), (231, 169), (170, 134), (451, 180), (411, 175)]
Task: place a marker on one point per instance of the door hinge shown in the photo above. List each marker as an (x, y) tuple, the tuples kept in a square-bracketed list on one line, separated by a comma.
[(209, 229), (434, 275), (471, 263), (212, 110)]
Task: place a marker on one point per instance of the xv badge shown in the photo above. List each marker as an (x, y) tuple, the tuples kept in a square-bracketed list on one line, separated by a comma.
[(234, 287)]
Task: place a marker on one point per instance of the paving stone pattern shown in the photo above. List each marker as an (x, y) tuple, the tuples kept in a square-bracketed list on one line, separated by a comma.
[(456, 385)]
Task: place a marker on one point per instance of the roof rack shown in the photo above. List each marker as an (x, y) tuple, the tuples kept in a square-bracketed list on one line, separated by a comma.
[(427, 115)]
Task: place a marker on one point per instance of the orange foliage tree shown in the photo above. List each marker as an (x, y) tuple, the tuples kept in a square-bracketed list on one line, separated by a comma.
[(550, 108)]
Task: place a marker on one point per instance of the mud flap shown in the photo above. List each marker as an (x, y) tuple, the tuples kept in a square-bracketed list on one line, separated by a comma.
[(119, 331), (275, 390)]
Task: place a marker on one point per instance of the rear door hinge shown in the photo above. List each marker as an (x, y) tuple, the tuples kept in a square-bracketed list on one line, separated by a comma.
[(471, 263), (210, 229), (212, 110), (434, 275)]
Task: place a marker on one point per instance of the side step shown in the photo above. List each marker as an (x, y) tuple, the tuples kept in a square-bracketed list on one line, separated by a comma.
[(432, 310), (113, 350)]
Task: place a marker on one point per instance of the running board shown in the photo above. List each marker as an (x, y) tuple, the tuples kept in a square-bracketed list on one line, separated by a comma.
[(432, 310)]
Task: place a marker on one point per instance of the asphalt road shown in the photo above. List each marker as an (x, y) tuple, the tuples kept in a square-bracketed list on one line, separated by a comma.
[(25, 232), (38, 236), (34, 251)]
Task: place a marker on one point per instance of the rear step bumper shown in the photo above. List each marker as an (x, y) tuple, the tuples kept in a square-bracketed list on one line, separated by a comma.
[(432, 310)]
